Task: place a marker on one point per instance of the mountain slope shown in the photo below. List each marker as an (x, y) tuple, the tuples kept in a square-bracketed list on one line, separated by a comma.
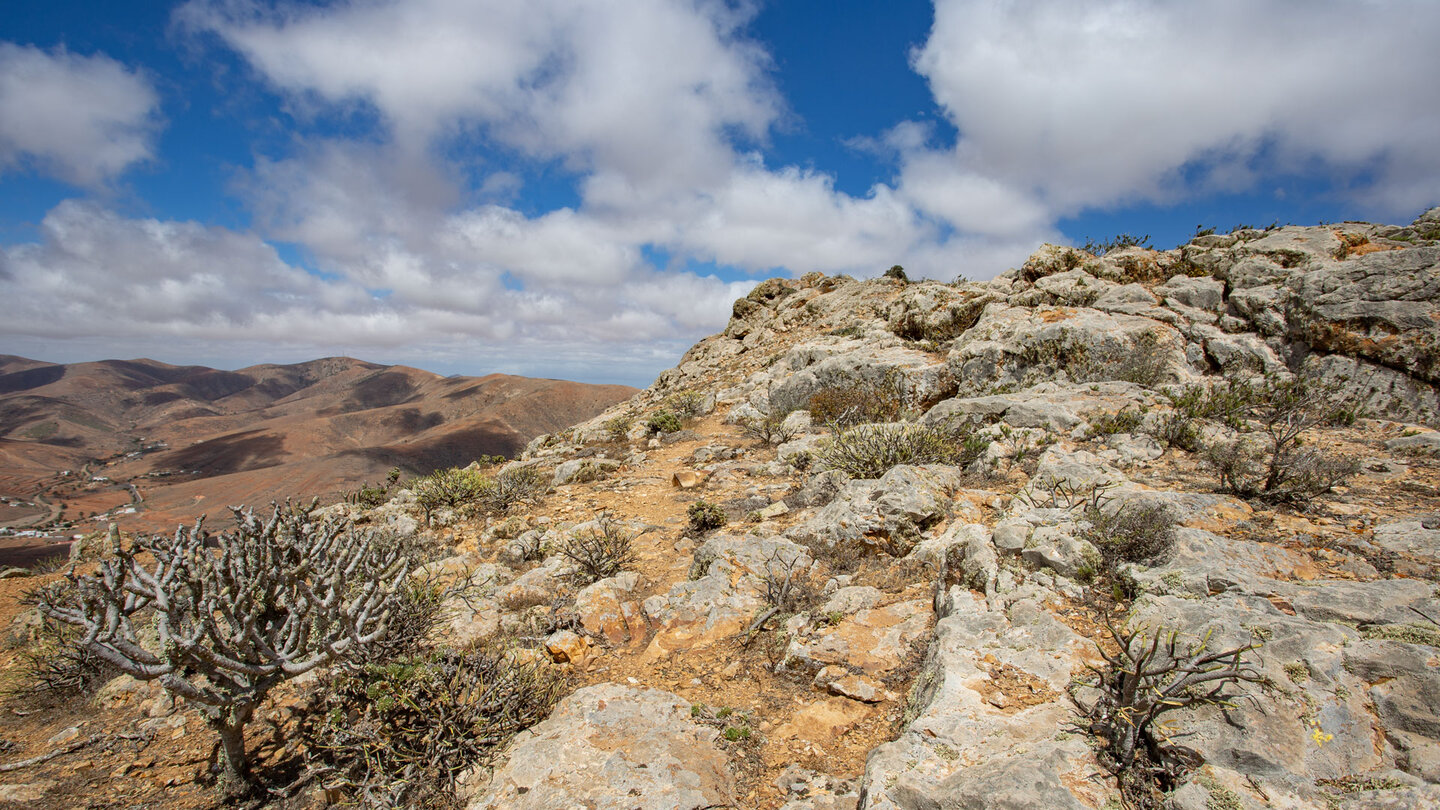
[(190, 434)]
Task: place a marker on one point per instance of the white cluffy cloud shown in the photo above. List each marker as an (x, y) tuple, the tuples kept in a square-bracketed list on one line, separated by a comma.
[(96, 280), (1069, 104), (659, 109), (82, 119)]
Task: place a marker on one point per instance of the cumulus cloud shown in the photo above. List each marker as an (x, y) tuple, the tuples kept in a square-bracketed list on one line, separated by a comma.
[(658, 107), (1078, 104), (98, 279), (81, 119)]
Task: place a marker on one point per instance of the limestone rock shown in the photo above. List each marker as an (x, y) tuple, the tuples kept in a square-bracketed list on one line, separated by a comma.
[(609, 747), (607, 609), (891, 511), (962, 750)]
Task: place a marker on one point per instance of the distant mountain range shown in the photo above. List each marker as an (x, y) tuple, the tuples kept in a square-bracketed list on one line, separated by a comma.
[(190, 439)]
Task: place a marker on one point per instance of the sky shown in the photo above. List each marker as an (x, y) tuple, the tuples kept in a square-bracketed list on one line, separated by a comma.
[(580, 188)]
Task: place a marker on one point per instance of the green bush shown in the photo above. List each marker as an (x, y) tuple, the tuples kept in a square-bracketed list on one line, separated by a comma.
[(1135, 532), (664, 421), (868, 451), (847, 402), (1273, 463), (705, 516), (399, 734), (512, 486), (897, 273), (453, 488), (618, 428)]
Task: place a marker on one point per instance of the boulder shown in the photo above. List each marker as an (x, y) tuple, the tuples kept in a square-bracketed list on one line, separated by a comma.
[(610, 747), (723, 595), (891, 512)]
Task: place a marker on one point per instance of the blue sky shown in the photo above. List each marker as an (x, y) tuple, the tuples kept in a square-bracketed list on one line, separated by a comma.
[(579, 189)]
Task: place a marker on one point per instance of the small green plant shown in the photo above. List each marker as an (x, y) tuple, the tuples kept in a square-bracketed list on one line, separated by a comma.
[(1135, 532), (869, 451), (664, 421), (452, 488), (1414, 633), (400, 734), (513, 486), (736, 733), (685, 404), (618, 427), (1108, 424), (705, 516), (1119, 242)]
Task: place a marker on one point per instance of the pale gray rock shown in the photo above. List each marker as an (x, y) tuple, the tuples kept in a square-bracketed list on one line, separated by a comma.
[(1201, 293), (1427, 443), (1129, 299), (1378, 307), (893, 510), (578, 470), (724, 592), (809, 368), (1378, 389), (1412, 537), (967, 552), (964, 750), (1023, 346), (610, 747), (1049, 405)]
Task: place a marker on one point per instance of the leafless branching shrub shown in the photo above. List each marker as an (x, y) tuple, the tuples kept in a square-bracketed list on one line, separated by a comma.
[(1149, 675), (789, 582), (788, 585), (769, 428), (52, 668), (599, 552), (275, 599), (1051, 491), (399, 735), (1135, 532), (1279, 466), (848, 401)]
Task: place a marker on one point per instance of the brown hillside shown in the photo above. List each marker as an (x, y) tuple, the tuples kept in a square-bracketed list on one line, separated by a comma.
[(193, 439)]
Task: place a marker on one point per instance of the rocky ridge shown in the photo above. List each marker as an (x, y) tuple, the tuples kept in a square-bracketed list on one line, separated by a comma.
[(925, 637), (974, 673)]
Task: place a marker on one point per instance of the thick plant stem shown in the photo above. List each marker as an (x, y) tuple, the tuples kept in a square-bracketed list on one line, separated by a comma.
[(230, 726)]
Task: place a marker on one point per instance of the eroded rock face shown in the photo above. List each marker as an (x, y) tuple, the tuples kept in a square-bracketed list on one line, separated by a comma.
[(1046, 356), (610, 747), (989, 716), (724, 594), (889, 512)]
